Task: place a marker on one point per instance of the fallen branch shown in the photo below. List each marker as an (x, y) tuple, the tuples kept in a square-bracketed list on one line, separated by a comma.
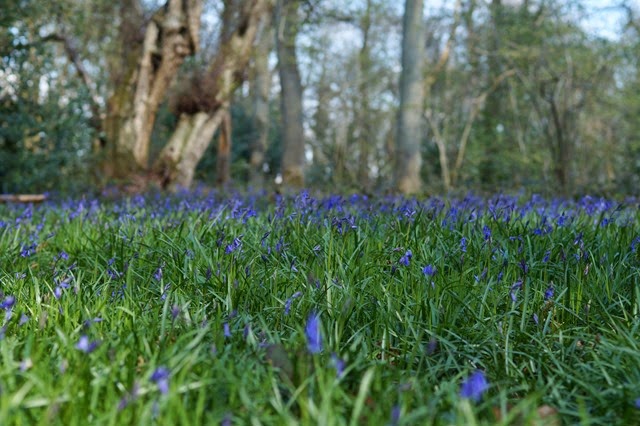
[(22, 198)]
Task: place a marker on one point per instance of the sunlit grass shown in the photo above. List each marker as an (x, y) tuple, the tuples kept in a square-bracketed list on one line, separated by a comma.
[(197, 309)]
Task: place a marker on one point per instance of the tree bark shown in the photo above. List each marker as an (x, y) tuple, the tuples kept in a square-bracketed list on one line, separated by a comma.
[(364, 110), (150, 63), (293, 156), (261, 84), (175, 166), (223, 160), (188, 143), (490, 171), (409, 137)]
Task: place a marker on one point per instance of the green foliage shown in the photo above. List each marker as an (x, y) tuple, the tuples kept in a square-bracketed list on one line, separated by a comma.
[(243, 136), (542, 296), (41, 154)]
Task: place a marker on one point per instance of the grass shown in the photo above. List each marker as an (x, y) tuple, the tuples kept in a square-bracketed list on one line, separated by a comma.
[(196, 309)]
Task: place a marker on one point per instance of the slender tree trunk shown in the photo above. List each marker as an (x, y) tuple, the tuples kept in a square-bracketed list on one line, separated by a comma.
[(150, 62), (177, 161), (260, 87), (223, 170), (293, 156), (364, 115), (408, 157), (490, 174), (321, 121)]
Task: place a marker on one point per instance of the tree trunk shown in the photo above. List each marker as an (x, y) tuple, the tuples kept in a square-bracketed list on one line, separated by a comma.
[(408, 157), (293, 156), (223, 160), (261, 84), (150, 62), (490, 171), (185, 149), (206, 102), (364, 110)]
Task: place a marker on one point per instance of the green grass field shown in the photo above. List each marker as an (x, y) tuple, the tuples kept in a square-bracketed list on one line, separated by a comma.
[(202, 309)]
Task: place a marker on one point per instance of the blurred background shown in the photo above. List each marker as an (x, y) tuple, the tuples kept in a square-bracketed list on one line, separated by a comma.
[(339, 95)]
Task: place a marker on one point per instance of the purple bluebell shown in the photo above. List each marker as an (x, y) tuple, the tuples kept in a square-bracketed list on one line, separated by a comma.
[(24, 318), (226, 420), (85, 345), (313, 333), (636, 403), (482, 275), (524, 266), (463, 245), (287, 303), (235, 245), (548, 293), (515, 287), (226, 329), (175, 311), (160, 377), (8, 303), (429, 270), (127, 399), (395, 415), (406, 258), (158, 274), (486, 232), (474, 386), (338, 364)]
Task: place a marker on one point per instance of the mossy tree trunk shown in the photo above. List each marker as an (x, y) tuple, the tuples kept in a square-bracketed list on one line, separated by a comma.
[(205, 102), (150, 60)]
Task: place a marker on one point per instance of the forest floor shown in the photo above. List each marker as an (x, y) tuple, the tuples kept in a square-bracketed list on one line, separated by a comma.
[(203, 309)]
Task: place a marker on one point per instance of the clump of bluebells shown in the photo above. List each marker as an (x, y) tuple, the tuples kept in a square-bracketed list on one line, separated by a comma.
[(199, 307)]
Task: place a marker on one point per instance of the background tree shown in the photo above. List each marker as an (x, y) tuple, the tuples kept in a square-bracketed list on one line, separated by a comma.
[(149, 60), (203, 105), (293, 156), (260, 86), (408, 157)]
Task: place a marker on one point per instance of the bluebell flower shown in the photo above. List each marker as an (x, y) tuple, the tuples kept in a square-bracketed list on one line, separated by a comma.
[(235, 245), (474, 386), (404, 260), (161, 378), (429, 270), (339, 365), (287, 303), (158, 274), (85, 345), (8, 302), (637, 403), (463, 245), (486, 232), (395, 415), (314, 337), (515, 287), (226, 330), (23, 319), (548, 293), (175, 311)]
